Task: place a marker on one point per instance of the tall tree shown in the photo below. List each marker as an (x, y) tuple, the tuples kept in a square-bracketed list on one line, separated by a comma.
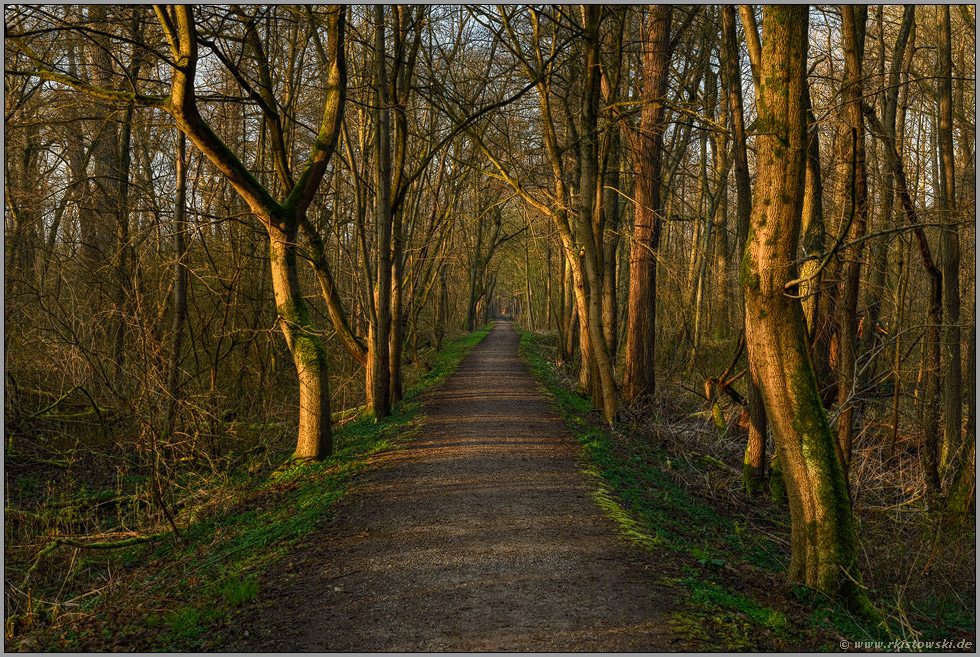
[(754, 463), (380, 400), (852, 185), (824, 554), (949, 244), (281, 218), (646, 147)]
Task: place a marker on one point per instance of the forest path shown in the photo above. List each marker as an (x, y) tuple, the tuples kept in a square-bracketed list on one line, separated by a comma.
[(479, 535)]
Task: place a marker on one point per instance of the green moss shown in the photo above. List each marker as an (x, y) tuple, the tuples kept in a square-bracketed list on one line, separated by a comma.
[(748, 273), (774, 235), (307, 347), (752, 477), (294, 312), (835, 540), (719, 417)]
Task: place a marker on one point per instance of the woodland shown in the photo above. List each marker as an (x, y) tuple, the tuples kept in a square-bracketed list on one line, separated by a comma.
[(242, 241)]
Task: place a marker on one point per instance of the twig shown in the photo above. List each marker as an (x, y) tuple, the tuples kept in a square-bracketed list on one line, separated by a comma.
[(98, 545)]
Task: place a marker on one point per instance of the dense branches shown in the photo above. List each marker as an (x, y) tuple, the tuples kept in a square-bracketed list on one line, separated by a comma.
[(217, 214)]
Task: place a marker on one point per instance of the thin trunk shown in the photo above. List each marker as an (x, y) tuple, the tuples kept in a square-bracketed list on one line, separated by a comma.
[(816, 303), (854, 220), (754, 468), (180, 282), (380, 370), (607, 393), (527, 286), (949, 249), (610, 244), (930, 348), (962, 491)]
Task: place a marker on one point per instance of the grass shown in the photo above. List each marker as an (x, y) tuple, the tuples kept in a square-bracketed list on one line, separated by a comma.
[(189, 587), (654, 506), (729, 568)]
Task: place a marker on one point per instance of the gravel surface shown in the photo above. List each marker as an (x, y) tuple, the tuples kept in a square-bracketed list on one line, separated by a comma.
[(479, 535)]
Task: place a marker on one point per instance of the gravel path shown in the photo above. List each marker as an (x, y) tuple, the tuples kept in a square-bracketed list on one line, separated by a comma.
[(480, 535)]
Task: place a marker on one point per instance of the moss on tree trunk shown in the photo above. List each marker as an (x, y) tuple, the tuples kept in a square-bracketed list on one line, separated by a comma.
[(824, 555)]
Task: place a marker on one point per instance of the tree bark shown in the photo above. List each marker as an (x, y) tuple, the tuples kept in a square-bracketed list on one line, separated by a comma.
[(853, 204), (180, 282), (754, 462), (639, 381), (823, 555), (380, 370), (949, 249)]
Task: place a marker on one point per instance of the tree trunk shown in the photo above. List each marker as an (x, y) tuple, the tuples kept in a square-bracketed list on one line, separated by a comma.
[(180, 282), (962, 492), (380, 369), (853, 204), (314, 438), (816, 303), (754, 463), (605, 393), (442, 301), (931, 348), (639, 381), (949, 249), (397, 320), (824, 555), (281, 220), (610, 244)]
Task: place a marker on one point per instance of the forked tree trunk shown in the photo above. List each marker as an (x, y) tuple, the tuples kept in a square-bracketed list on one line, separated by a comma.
[(823, 546), (281, 219)]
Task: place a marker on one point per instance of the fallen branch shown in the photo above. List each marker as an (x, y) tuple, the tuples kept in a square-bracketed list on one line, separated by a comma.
[(98, 545)]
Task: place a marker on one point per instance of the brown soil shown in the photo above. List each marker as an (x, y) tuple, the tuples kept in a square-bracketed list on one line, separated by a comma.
[(479, 535)]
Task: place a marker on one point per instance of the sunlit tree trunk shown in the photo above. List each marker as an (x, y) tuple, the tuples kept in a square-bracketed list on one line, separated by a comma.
[(754, 462), (639, 380), (380, 368), (281, 219), (824, 554)]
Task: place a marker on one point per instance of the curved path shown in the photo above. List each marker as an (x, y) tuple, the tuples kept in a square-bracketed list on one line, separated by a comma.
[(479, 535)]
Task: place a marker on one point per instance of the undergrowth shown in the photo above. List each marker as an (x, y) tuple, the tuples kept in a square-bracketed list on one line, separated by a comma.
[(729, 553), (171, 592)]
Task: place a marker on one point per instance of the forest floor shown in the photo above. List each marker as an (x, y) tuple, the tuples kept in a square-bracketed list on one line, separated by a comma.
[(492, 511), (481, 534)]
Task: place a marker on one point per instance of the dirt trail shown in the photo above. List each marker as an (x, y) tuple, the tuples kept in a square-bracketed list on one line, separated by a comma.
[(480, 535)]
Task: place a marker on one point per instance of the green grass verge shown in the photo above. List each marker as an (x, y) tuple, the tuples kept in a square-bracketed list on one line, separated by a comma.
[(634, 488), (197, 582), (730, 576)]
